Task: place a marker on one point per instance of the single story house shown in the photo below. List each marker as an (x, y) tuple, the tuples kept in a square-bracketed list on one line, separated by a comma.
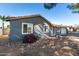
[(70, 29), (33, 24), (60, 30)]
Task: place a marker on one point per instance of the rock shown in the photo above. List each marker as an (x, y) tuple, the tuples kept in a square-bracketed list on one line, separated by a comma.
[(60, 44), (56, 53), (67, 51)]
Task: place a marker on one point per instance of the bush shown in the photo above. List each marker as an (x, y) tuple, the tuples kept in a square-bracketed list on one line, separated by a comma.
[(29, 38)]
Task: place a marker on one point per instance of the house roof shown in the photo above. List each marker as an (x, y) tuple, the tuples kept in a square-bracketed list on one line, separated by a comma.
[(58, 26), (10, 18)]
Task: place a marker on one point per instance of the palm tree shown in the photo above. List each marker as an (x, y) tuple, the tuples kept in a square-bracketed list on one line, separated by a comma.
[(2, 18)]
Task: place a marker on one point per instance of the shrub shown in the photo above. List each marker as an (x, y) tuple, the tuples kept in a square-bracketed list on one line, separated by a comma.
[(29, 38)]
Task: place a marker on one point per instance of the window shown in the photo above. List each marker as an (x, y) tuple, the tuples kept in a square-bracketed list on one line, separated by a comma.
[(27, 28), (46, 29)]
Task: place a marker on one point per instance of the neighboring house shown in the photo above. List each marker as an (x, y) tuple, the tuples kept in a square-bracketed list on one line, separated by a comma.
[(70, 29), (33, 24), (60, 30), (76, 29)]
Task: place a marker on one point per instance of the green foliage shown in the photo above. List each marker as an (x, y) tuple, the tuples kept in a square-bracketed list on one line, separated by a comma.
[(74, 7), (49, 5), (8, 26), (2, 18), (75, 11)]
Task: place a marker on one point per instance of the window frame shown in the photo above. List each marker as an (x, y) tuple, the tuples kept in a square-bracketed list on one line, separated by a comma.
[(27, 27)]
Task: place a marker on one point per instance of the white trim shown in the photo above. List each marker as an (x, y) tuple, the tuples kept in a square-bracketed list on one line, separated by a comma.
[(27, 26), (22, 28)]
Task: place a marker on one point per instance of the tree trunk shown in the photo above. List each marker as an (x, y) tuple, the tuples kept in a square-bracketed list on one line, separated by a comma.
[(2, 27)]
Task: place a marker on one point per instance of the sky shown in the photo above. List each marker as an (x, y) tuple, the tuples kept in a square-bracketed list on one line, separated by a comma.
[(58, 15)]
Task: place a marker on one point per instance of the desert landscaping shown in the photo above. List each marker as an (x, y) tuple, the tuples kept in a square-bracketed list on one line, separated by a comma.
[(50, 46), (52, 30)]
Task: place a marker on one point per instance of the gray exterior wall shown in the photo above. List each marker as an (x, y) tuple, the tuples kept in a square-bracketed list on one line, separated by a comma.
[(16, 26)]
